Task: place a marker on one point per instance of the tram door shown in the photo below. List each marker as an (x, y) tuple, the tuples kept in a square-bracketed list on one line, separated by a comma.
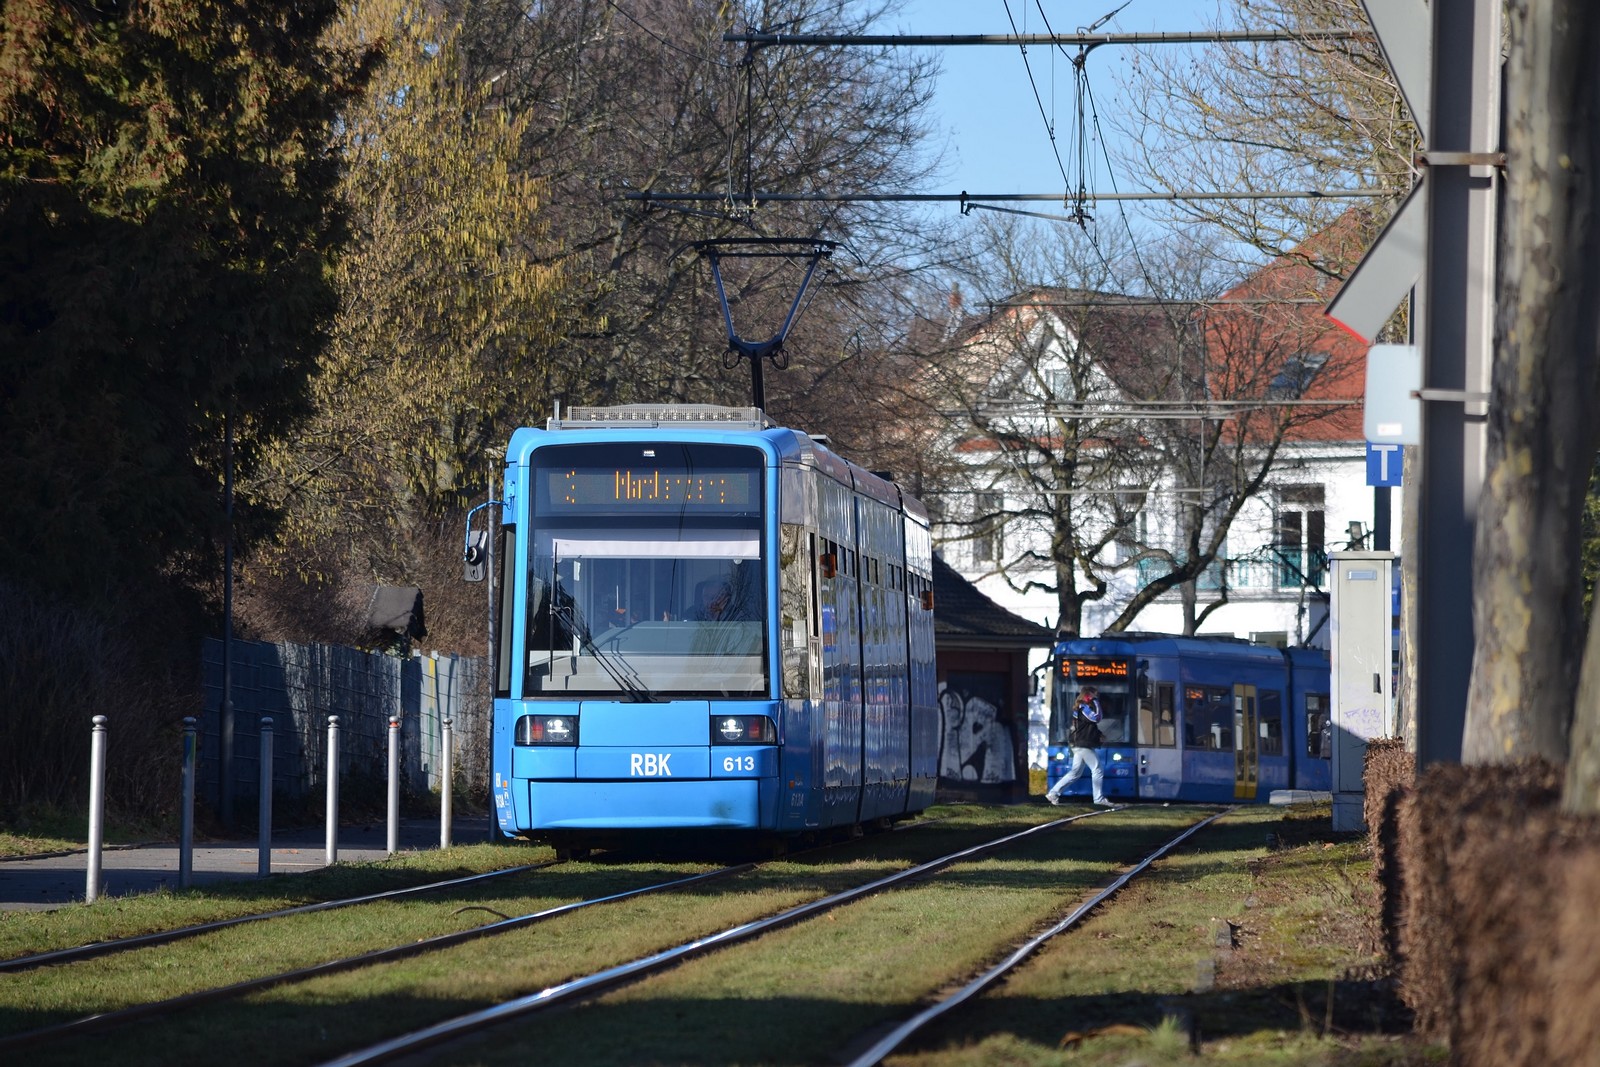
[(1246, 753), (1160, 759)]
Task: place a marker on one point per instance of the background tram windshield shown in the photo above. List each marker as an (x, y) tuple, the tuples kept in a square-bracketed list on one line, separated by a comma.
[(1114, 679), (645, 575)]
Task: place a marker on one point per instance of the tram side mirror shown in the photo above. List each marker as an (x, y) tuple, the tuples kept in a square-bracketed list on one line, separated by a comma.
[(475, 561), (1144, 679)]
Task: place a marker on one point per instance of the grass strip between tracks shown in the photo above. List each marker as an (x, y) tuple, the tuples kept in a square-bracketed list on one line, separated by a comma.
[(804, 994), (24, 933), (320, 1018)]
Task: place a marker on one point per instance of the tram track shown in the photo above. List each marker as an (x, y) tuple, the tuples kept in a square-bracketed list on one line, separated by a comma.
[(55, 1043), (110, 947), (505, 924), (610, 978), (944, 1005), (162, 1008)]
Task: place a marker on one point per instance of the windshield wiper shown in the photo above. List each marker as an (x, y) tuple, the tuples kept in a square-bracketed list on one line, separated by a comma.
[(613, 663)]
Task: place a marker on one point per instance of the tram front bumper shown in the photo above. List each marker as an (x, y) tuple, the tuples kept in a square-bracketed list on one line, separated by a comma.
[(730, 804)]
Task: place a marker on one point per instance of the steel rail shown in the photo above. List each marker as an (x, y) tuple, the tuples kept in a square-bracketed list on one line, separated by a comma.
[(898, 1036), (90, 1023), (463, 1025), (161, 937), (122, 1015)]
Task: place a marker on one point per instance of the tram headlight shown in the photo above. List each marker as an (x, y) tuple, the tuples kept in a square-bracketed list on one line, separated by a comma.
[(547, 730), (743, 730)]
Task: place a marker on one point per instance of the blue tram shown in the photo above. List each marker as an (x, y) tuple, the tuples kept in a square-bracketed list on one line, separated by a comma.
[(706, 624), (1196, 718)]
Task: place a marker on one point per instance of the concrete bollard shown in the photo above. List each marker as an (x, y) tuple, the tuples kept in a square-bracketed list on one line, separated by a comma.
[(264, 797), (97, 806), (186, 833), (445, 773), (331, 850), (394, 784)]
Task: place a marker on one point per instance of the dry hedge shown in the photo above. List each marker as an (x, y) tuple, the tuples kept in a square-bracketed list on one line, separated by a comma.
[(1498, 943), (1389, 775)]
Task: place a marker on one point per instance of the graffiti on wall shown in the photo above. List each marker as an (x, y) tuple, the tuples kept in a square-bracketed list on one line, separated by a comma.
[(977, 745)]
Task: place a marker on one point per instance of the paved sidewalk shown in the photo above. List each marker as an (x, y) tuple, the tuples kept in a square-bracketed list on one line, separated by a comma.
[(40, 883)]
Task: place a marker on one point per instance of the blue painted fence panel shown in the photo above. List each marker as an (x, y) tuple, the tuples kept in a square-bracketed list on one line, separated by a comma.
[(299, 686)]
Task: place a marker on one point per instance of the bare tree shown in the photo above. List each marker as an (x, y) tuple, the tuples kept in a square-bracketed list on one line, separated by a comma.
[(1047, 476), (1268, 117), (642, 98), (1276, 378), (498, 267), (1078, 410)]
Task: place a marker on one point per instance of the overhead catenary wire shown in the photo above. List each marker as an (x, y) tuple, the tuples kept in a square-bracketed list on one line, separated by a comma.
[(1011, 40), (1037, 99), (757, 199), (1078, 199), (619, 9), (1144, 409), (1160, 301), (1084, 39)]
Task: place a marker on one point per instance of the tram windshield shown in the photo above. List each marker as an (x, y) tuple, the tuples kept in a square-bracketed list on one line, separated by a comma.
[(1113, 678), (645, 577)]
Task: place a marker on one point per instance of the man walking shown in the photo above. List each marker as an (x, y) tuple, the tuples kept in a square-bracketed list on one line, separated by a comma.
[(1084, 738)]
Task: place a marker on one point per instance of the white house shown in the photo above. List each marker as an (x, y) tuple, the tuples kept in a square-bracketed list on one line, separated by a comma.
[(1090, 427)]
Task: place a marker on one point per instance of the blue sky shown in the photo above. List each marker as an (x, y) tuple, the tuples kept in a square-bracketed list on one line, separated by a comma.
[(997, 141)]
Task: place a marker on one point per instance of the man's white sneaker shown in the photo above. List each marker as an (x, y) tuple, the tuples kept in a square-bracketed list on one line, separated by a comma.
[(1052, 798), (1103, 803)]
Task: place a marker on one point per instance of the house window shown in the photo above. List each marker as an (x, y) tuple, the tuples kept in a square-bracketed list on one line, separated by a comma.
[(1058, 383), (1301, 551), (1133, 535), (987, 543), (1296, 375)]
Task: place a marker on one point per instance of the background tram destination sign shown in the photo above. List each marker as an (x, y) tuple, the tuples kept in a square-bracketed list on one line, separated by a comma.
[(646, 489), (1085, 670)]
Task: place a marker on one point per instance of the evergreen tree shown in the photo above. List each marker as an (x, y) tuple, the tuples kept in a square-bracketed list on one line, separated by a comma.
[(167, 215)]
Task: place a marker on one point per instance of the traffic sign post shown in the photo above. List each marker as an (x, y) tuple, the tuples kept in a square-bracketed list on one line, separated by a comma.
[(1443, 234)]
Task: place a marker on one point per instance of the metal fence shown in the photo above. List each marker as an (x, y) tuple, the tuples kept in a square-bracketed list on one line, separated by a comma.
[(1265, 570), (299, 686)]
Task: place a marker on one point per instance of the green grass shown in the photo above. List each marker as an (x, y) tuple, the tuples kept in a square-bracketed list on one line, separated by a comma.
[(801, 994), (40, 832), (1121, 990), (25, 933)]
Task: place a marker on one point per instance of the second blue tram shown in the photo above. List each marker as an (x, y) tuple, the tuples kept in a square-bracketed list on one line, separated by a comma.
[(1196, 718), (707, 624)]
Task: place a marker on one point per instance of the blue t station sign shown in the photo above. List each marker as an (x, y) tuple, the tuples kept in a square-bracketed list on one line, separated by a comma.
[(1383, 464)]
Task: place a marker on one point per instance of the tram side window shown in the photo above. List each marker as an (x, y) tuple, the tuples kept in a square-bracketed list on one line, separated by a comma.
[(1269, 718), (1158, 727), (504, 654), (1319, 727), (1208, 718), (1166, 719)]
